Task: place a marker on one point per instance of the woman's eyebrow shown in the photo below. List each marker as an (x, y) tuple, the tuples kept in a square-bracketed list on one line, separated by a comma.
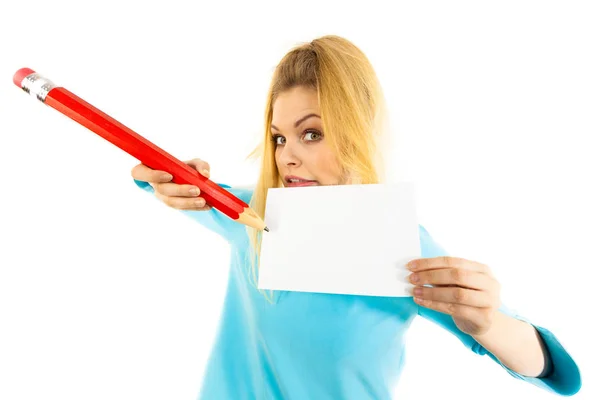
[(301, 120)]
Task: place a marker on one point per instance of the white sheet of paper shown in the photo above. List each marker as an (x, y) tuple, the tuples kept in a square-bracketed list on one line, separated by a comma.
[(343, 239)]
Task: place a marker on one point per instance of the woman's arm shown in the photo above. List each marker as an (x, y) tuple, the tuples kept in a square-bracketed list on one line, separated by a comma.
[(513, 342), (213, 219), (517, 345)]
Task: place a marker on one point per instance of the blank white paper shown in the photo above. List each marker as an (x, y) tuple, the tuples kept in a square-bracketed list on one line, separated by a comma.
[(343, 239)]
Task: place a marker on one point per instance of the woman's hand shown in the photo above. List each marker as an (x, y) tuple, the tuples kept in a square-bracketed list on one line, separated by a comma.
[(464, 289), (181, 197)]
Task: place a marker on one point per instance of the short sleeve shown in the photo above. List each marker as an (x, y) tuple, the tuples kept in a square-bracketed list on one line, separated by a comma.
[(564, 376), (213, 219)]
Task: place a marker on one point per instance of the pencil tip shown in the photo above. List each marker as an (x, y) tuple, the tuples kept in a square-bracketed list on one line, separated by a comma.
[(267, 229)]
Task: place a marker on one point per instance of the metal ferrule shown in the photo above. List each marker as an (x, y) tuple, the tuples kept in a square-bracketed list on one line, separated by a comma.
[(37, 86)]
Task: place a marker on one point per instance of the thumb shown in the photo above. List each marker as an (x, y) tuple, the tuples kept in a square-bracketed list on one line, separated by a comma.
[(201, 166)]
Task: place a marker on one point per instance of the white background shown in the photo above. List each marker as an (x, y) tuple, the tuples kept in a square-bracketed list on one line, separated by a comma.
[(107, 294)]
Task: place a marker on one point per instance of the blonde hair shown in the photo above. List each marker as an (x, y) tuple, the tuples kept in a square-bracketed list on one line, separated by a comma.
[(353, 115)]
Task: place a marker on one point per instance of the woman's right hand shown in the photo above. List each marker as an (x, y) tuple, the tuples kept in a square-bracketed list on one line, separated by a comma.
[(172, 194)]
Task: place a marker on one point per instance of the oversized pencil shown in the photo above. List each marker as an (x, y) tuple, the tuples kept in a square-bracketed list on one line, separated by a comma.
[(137, 146)]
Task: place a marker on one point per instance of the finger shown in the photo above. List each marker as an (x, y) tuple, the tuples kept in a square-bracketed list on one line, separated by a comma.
[(144, 173), (457, 295), (456, 310), (423, 264), (183, 203), (453, 276), (177, 190), (200, 165)]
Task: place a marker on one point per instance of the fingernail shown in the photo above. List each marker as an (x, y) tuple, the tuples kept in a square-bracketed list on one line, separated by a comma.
[(194, 191), (414, 278), (418, 291), (205, 173), (167, 177), (200, 203)]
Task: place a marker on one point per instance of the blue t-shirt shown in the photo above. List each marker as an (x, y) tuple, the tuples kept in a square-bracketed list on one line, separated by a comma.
[(325, 346)]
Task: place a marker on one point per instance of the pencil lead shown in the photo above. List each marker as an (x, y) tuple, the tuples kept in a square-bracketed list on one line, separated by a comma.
[(266, 229)]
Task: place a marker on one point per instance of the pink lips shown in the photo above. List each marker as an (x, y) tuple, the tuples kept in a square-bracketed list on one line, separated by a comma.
[(296, 181)]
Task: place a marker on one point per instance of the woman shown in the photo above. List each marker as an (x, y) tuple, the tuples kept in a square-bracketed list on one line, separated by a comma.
[(325, 125)]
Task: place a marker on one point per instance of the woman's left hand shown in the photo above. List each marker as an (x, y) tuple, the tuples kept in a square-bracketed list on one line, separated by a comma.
[(464, 289)]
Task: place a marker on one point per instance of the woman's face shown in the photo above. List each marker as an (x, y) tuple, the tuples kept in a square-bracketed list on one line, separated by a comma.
[(302, 156)]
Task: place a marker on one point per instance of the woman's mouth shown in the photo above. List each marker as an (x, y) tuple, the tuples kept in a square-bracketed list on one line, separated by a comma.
[(296, 181)]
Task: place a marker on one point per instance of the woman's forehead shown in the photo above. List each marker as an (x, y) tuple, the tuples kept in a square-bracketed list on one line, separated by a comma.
[(294, 105)]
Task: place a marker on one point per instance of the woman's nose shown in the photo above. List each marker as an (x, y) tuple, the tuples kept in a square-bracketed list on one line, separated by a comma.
[(288, 155)]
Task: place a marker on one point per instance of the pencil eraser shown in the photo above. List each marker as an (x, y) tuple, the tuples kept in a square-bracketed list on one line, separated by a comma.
[(21, 74)]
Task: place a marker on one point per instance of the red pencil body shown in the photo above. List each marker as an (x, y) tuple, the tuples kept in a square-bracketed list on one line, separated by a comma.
[(142, 149), (137, 146)]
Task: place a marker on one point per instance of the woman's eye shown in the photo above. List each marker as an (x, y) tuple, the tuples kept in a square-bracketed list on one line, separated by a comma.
[(279, 140), (312, 135)]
